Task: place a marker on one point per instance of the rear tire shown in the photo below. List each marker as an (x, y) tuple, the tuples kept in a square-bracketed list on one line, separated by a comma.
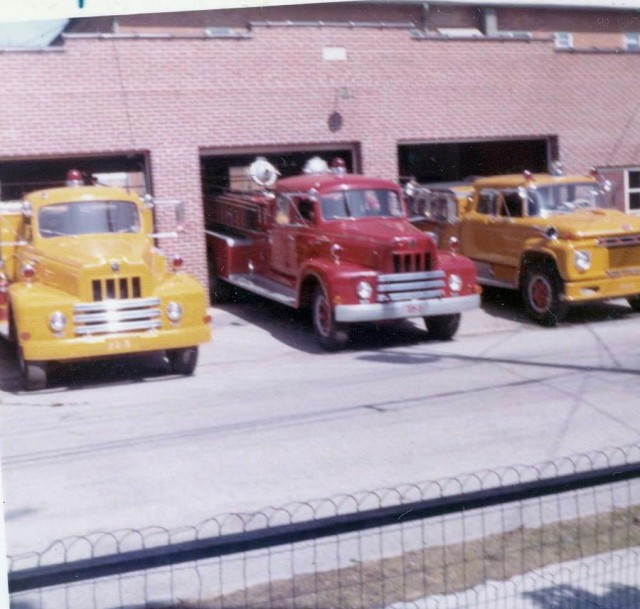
[(634, 302), (542, 294), (183, 361), (34, 373), (333, 335), (220, 290), (442, 327)]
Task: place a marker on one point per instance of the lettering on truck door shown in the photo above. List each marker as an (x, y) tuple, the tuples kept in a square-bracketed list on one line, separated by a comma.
[(283, 237)]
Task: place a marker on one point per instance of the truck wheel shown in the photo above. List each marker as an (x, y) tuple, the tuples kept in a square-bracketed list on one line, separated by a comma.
[(183, 361), (542, 294), (332, 335), (220, 290), (34, 373), (442, 327), (634, 302)]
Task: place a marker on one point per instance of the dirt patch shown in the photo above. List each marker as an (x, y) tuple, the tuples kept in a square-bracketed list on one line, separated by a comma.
[(442, 569)]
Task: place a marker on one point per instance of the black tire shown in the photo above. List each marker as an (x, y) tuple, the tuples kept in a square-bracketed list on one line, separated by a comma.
[(333, 335), (542, 291), (634, 302), (442, 327), (34, 373), (220, 290), (183, 361)]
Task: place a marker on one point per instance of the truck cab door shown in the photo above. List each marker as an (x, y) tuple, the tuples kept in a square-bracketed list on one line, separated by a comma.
[(283, 237), (476, 226), (482, 233)]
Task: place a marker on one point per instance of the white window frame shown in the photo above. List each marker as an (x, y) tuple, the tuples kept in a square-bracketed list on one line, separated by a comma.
[(632, 41), (563, 40), (628, 191)]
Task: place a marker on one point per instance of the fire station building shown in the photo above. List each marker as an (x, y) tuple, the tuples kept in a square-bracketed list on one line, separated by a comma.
[(179, 104)]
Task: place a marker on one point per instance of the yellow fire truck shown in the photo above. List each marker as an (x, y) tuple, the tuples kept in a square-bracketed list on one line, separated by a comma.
[(81, 278)]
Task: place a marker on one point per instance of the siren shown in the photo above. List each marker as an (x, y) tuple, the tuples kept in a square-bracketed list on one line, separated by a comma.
[(338, 166), (74, 178), (263, 173), (316, 165)]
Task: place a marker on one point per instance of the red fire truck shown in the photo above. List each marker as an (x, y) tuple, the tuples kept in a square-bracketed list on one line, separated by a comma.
[(338, 244)]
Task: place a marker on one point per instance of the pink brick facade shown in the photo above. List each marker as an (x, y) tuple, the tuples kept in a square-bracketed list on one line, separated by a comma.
[(172, 98)]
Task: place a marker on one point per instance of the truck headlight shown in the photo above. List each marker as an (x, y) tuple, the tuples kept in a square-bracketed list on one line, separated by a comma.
[(455, 283), (582, 260), (174, 311), (364, 290), (57, 322)]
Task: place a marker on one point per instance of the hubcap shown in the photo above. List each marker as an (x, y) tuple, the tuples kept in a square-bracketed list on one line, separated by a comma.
[(540, 294), (323, 316)]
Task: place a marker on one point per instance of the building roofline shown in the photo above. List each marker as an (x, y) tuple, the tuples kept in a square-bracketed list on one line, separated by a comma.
[(578, 4)]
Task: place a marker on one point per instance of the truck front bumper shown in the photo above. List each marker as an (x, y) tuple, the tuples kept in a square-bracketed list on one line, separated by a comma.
[(406, 309), (615, 286), (112, 345)]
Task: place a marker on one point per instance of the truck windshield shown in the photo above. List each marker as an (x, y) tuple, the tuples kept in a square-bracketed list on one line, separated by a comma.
[(361, 204), (88, 217), (564, 198)]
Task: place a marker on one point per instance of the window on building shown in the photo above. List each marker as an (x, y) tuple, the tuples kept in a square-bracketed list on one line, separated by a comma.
[(632, 41), (563, 40), (633, 190)]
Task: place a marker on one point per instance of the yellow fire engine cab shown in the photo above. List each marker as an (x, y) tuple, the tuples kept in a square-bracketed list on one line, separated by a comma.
[(81, 278)]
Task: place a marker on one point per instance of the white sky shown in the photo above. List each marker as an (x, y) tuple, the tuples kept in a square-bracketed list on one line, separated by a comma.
[(37, 22), (24, 10)]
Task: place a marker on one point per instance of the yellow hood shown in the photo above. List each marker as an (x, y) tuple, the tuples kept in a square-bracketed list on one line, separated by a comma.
[(592, 223)]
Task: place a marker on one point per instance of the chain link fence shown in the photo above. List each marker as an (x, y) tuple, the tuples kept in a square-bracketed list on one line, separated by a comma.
[(558, 535)]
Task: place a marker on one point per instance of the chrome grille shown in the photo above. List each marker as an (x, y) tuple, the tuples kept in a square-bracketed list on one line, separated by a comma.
[(109, 316), (116, 288), (410, 286), (623, 252), (619, 241), (410, 262)]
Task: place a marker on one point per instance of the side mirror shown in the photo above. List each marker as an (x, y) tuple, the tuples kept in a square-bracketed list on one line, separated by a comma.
[(158, 206), (27, 210)]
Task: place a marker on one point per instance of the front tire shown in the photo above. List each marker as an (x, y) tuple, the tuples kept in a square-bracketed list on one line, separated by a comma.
[(442, 327), (333, 335), (542, 294), (34, 373), (183, 361)]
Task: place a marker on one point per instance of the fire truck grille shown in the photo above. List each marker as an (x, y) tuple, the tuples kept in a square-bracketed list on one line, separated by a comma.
[(116, 288), (411, 262), (411, 286), (111, 316), (623, 252)]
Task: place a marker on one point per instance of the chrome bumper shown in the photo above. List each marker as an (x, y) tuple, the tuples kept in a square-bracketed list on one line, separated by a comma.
[(406, 309)]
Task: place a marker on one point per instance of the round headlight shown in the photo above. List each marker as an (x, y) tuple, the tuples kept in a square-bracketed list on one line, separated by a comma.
[(174, 311), (364, 290), (28, 271), (57, 321), (455, 283), (582, 260)]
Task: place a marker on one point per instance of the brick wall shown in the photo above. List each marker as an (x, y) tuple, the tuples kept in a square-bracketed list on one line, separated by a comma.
[(175, 97)]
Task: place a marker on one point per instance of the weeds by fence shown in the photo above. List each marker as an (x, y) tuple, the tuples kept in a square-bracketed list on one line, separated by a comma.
[(543, 535)]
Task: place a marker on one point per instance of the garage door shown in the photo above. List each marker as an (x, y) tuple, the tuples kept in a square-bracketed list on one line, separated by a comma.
[(455, 161), (18, 177), (221, 170)]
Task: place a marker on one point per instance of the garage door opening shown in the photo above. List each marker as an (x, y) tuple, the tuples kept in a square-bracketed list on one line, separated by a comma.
[(222, 171), (456, 161), (18, 177)]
